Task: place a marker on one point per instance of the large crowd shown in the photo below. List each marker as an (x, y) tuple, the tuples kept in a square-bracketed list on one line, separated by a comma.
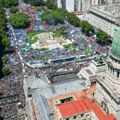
[(81, 44), (12, 98), (12, 92)]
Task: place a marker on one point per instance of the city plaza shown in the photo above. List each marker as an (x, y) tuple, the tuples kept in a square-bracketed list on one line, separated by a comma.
[(67, 95), (53, 91)]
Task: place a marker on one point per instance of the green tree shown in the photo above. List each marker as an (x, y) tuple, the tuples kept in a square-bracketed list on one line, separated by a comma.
[(86, 27), (50, 5), (9, 3), (52, 17), (102, 37), (4, 42), (19, 20), (13, 9), (4, 59), (73, 19), (6, 71), (35, 2)]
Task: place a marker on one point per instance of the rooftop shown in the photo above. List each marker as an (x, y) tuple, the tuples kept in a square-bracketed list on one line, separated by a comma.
[(76, 95), (115, 50), (111, 12), (41, 90), (83, 105)]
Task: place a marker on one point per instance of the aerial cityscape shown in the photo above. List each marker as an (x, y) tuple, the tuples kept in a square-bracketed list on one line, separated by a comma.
[(59, 59)]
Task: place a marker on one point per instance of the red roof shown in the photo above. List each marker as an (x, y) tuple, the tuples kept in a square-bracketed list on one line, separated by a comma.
[(83, 105)]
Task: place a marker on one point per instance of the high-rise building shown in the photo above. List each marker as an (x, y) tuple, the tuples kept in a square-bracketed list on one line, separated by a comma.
[(68, 5), (108, 86), (79, 5)]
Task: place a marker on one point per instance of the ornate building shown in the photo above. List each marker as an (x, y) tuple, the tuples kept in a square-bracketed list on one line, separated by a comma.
[(108, 86)]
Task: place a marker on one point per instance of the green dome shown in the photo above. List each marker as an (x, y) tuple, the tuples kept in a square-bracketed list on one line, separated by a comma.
[(115, 50)]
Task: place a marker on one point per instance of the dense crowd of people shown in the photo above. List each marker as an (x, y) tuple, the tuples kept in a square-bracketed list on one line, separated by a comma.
[(12, 92), (12, 98)]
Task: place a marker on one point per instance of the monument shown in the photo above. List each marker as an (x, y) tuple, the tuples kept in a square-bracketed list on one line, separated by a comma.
[(96, 68), (48, 40)]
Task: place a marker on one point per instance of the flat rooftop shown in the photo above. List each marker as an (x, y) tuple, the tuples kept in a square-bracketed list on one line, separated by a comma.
[(64, 78), (41, 91)]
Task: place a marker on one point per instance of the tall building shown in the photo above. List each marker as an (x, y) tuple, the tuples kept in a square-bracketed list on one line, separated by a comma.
[(68, 5), (79, 5), (108, 86), (106, 18)]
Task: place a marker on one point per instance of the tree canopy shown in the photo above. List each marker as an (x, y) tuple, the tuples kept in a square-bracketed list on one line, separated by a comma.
[(35, 2), (5, 70), (13, 9), (8, 3), (19, 20), (86, 27), (73, 19), (52, 17), (102, 37), (50, 5), (4, 59), (4, 42)]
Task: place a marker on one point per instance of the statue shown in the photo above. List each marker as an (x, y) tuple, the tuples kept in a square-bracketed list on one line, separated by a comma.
[(98, 59), (51, 36), (101, 59)]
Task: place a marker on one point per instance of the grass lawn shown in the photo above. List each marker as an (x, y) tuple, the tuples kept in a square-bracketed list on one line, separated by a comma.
[(68, 46), (56, 32), (30, 35)]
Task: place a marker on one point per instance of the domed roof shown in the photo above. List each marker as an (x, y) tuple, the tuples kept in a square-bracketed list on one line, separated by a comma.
[(115, 50)]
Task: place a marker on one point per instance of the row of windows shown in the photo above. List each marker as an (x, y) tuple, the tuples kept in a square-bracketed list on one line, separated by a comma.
[(75, 117), (113, 71)]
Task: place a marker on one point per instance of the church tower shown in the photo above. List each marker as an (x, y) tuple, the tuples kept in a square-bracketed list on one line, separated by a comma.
[(108, 86)]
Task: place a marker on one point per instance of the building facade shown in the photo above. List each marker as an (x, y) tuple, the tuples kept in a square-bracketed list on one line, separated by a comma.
[(75, 5), (80, 5), (106, 18), (108, 86)]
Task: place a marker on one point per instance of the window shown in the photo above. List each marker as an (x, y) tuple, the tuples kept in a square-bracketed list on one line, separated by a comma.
[(66, 99), (117, 74), (82, 115), (74, 117), (87, 115)]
